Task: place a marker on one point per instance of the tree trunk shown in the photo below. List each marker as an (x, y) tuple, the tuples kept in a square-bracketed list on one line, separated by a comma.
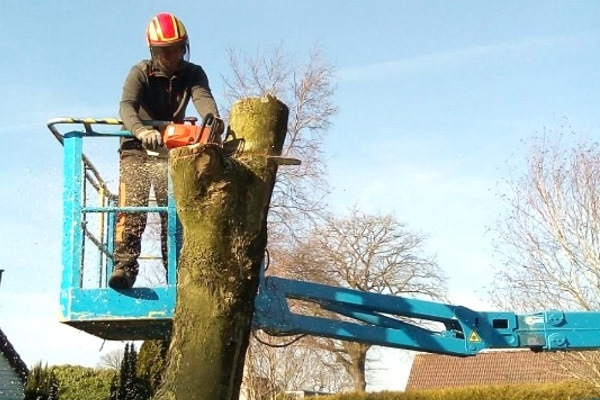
[(358, 362), (222, 203)]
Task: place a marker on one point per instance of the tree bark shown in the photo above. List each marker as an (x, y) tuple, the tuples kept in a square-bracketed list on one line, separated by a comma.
[(358, 364), (222, 203)]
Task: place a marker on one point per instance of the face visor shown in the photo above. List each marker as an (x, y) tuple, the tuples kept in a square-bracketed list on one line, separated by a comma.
[(168, 58)]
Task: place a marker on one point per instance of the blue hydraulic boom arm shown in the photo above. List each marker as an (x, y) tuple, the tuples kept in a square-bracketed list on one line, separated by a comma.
[(387, 320)]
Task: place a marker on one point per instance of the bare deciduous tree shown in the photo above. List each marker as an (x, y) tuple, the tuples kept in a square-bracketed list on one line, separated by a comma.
[(111, 360), (372, 253), (549, 240), (276, 365), (307, 89)]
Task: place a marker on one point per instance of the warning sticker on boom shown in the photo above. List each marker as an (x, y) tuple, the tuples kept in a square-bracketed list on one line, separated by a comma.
[(474, 337)]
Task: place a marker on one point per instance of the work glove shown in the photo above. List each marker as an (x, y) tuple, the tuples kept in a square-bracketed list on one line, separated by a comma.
[(150, 138)]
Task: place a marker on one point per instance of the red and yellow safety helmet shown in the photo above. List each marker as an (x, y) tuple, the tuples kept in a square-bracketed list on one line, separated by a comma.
[(165, 30)]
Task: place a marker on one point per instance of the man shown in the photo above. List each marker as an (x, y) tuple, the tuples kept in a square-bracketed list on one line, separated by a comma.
[(158, 89)]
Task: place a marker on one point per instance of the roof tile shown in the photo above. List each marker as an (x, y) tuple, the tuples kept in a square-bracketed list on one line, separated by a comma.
[(434, 371)]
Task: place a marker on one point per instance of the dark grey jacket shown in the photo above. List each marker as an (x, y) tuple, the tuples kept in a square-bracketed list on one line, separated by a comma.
[(149, 94)]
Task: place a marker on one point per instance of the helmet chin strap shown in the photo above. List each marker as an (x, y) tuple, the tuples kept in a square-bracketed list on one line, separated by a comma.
[(186, 55)]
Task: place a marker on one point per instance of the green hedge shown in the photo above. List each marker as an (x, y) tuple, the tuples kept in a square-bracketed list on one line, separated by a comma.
[(78, 383), (559, 391)]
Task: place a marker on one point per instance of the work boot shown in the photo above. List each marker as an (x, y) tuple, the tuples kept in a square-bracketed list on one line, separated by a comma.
[(121, 279)]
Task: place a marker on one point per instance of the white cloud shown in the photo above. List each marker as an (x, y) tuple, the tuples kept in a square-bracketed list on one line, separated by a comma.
[(460, 56)]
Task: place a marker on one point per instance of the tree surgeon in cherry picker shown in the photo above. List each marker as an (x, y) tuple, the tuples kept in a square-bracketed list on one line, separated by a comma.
[(156, 89)]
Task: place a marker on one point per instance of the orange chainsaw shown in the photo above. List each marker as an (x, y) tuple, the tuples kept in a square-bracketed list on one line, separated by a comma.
[(188, 133)]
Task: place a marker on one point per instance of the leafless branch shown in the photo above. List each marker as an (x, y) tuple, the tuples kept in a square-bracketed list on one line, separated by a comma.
[(372, 253), (307, 88), (549, 241)]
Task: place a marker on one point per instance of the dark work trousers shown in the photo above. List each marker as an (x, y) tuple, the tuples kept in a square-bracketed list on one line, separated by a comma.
[(138, 173)]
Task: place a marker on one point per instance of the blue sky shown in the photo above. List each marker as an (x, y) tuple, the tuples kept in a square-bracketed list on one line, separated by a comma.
[(435, 100)]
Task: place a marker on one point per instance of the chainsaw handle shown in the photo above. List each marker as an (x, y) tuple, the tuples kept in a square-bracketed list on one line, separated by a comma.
[(191, 120), (213, 123), (208, 119)]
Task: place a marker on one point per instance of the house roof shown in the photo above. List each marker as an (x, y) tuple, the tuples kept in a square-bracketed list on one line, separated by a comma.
[(433, 371), (13, 357)]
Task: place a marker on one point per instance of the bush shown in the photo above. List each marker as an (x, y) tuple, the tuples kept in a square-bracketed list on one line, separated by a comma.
[(558, 391), (77, 382)]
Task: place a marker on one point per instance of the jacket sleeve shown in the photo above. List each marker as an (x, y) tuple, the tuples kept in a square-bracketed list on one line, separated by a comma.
[(133, 90), (202, 97)]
